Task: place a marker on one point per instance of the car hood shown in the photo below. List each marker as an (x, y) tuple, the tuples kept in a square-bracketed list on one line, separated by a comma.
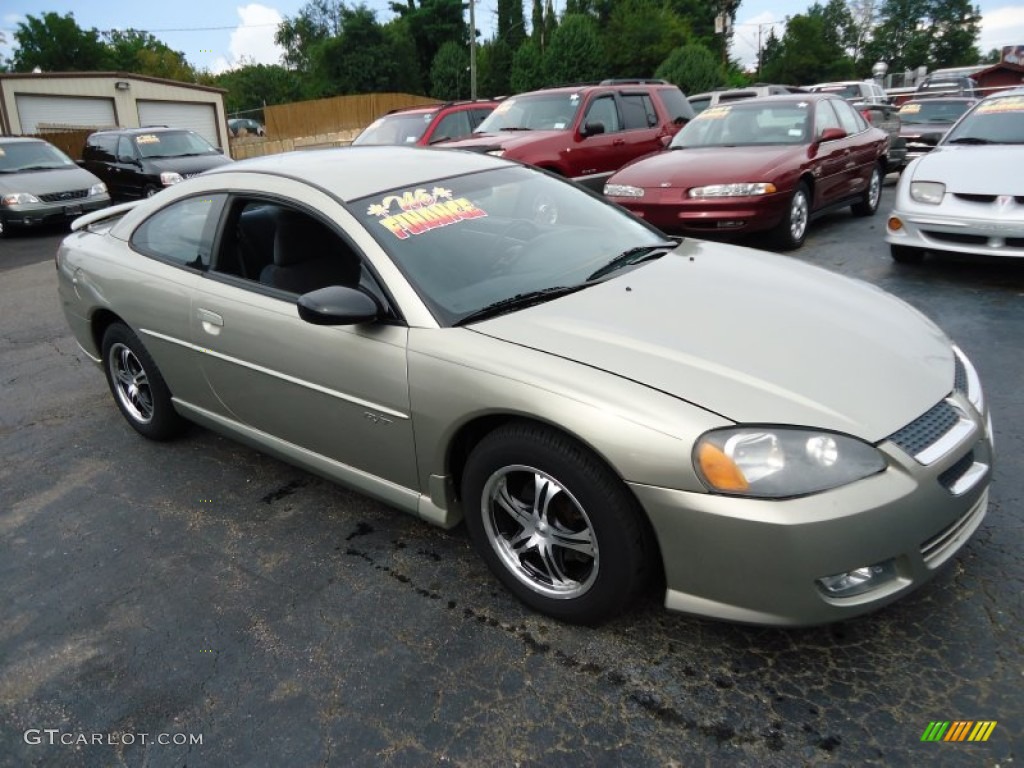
[(507, 140), (185, 165), (698, 166), (64, 179), (974, 170), (753, 337)]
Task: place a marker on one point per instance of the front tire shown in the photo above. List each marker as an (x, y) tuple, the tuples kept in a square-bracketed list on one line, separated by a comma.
[(137, 385), (555, 524), (868, 204), (905, 254), (792, 230)]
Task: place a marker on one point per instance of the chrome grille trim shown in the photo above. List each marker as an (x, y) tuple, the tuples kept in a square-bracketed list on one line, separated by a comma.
[(935, 434), (942, 545), (60, 197)]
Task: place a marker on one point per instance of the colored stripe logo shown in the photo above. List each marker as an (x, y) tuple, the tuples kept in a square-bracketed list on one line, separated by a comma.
[(959, 730)]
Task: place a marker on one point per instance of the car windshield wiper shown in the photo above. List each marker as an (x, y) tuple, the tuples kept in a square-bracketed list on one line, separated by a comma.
[(516, 128), (971, 140), (630, 257), (520, 301), (39, 168)]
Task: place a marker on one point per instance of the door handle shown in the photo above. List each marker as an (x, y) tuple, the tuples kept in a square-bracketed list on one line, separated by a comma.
[(212, 322), (618, 142)]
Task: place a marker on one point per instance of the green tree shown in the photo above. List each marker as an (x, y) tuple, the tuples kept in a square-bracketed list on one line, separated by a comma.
[(133, 50), (357, 60), (511, 23), (575, 53), (253, 86), (640, 35), (699, 16), (56, 43), (316, 21), (899, 39), (494, 68), (994, 56), (527, 68), (806, 55), (449, 76), (537, 23), (953, 31), (408, 77), (432, 23), (693, 68)]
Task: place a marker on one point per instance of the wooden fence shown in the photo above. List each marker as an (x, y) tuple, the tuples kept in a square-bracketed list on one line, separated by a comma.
[(70, 141), (340, 113)]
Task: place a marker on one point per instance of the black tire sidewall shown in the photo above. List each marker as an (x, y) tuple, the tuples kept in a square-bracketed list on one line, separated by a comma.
[(166, 422), (784, 232), (613, 513)]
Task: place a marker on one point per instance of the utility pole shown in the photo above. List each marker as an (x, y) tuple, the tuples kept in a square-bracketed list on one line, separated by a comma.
[(472, 49)]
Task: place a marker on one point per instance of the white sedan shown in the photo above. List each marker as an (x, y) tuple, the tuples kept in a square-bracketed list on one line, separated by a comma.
[(966, 196)]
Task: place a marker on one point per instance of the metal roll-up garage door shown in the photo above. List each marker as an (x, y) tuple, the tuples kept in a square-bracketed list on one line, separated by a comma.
[(201, 118), (78, 111)]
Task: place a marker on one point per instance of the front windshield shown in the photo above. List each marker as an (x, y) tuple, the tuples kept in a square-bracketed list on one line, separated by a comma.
[(173, 144), (745, 124), (538, 111), (31, 156), (467, 242), (994, 121), (933, 111), (395, 129)]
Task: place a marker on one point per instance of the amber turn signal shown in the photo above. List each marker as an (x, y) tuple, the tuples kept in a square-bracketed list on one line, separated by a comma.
[(719, 470)]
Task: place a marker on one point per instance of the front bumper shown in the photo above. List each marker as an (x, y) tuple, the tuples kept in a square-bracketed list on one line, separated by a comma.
[(980, 226), (36, 214), (757, 561), (671, 211)]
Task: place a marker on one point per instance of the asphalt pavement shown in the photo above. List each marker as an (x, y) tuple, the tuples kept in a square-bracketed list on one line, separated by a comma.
[(196, 603)]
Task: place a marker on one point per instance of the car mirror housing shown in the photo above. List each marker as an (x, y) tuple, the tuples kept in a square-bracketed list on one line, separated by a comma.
[(337, 305), (831, 134), (592, 129)]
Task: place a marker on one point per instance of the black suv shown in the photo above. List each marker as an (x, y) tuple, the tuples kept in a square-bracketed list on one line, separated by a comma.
[(139, 162)]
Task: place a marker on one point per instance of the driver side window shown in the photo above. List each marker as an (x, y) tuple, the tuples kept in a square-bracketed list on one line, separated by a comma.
[(824, 117), (603, 110)]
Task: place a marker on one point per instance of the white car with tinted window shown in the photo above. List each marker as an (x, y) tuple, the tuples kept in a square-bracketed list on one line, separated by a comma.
[(967, 195)]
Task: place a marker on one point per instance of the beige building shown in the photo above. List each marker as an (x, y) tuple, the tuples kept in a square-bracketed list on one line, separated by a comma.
[(34, 103)]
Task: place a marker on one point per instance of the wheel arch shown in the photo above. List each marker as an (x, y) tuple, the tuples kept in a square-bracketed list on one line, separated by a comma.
[(100, 321)]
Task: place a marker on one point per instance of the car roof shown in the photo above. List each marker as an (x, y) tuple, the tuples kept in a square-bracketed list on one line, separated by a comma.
[(782, 98), (354, 172), (151, 129), (941, 100), (21, 140)]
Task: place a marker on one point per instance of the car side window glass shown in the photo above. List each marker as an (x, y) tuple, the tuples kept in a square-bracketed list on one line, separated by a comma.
[(181, 233), (602, 110), (103, 148), (125, 150), (824, 117), (452, 126), (477, 116), (638, 111), (848, 118)]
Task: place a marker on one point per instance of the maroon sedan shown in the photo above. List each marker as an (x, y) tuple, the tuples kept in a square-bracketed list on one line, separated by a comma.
[(766, 164)]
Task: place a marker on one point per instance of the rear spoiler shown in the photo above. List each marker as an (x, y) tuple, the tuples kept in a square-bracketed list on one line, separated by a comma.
[(103, 213)]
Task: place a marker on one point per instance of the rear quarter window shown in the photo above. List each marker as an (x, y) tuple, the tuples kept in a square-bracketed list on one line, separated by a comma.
[(679, 109)]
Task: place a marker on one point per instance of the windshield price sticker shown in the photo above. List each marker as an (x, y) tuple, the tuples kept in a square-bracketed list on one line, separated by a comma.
[(420, 211), (910, 109), (147, 138), (1012, 104), (714, 113)]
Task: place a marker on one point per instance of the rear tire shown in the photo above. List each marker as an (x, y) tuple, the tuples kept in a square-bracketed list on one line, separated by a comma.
[(868, 204), (906, 254), (138, 387), (791, 232), (556, 526)]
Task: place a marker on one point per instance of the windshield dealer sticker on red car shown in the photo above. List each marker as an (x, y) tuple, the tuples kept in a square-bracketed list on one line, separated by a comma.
[(420, 211)]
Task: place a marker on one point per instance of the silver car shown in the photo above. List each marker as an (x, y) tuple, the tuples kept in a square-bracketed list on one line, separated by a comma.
[(966, 195), (39, 184), (466, 338)]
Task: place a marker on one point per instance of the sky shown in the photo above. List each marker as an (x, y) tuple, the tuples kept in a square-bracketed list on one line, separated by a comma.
[(219, 34)]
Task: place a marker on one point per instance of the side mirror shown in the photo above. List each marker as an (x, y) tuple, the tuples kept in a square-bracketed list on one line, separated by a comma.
[(337, 305), (831, 134), (592, 129)]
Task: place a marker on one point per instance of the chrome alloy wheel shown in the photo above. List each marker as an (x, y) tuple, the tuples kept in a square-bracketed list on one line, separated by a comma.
[(131, 383), (540, 532), (874, 189), (798, 216)]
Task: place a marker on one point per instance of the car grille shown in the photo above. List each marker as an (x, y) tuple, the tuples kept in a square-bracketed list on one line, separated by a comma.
[(959, 375), (927, 430), (983, 198), (190, 175), (59, 197), (943, 544), (948, 478)]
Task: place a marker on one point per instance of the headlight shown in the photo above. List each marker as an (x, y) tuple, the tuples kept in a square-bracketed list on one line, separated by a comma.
[(496, 152), (744, 189), (19, 198), (170, 177), (971, 383), (98, 189), (622, 190), (780, 462), (930, 192)]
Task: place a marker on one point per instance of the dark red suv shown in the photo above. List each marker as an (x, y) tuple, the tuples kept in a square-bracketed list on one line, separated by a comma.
[(421, 126), (584, 132)]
